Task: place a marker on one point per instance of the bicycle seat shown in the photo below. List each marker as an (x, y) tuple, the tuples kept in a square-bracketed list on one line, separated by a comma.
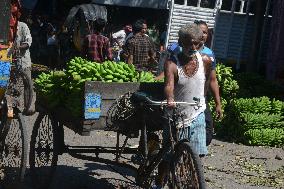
[(140, 97)]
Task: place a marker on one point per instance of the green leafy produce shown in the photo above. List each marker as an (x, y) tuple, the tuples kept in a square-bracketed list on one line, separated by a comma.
[(246, 119), (256, 118), (265, 137)]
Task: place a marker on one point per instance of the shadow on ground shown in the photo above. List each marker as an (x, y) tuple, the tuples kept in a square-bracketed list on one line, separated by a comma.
[(92, 176)]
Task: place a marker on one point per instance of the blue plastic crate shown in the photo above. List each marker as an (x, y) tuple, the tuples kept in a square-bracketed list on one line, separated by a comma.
[(5, 69)]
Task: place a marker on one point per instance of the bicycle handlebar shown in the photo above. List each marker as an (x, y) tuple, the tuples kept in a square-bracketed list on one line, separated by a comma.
[(182, 103), (144, 97)]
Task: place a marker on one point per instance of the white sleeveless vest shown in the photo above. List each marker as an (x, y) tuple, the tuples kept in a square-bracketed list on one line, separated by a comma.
[(189, 87)]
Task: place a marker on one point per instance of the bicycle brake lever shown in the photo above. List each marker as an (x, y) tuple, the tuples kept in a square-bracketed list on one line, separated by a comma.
[(197, 100)]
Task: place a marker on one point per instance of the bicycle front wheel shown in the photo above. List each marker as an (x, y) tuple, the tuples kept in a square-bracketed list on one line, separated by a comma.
[(187, 171), (13, 151)]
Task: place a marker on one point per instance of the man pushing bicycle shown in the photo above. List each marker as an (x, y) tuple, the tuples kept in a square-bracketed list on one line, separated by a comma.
[(185, 78)]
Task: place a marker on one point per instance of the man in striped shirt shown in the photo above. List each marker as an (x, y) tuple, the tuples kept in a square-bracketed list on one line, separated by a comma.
[(139, 48), (96, 47)]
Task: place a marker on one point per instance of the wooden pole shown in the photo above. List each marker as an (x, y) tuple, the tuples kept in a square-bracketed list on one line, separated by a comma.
[(230, 28), (263, 34), (198, 3), (258, 23), (275, 58), (243, 33)]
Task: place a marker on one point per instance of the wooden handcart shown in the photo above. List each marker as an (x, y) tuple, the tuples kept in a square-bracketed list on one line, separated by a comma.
[(47, 141)]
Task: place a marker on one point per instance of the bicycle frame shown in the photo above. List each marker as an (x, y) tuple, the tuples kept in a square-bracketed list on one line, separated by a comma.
[(164, 149), (18, 73), (10, 68), (144, 101), (168, 143)]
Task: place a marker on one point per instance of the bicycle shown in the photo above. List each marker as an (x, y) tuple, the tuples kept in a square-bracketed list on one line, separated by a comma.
[(22, 90), (185, 167), (13, 134)]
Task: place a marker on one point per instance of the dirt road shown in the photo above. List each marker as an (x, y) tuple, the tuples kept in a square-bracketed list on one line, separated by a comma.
[(233, 166), (228, 166)]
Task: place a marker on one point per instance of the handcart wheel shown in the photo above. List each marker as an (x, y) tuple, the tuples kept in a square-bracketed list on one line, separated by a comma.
[(13, 150), (43, 150)]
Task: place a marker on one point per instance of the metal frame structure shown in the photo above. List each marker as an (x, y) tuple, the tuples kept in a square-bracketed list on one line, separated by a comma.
[(172, 5), (239, 13)]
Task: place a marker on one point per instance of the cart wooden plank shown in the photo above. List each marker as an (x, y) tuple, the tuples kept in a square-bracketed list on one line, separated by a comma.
[(111, 91), (108, 93)]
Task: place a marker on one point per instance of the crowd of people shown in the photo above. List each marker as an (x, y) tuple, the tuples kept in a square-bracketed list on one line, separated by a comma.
[(53, 45), (48, 37), (132, 44)]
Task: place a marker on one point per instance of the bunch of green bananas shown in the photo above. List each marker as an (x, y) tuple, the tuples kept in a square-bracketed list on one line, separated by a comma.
[(66, 87), (277, 107), (258, 105), (245, 117), (49, 85), (228, 86), (265, 137), (145, 77), (252, 105), (261, 120), (57, 89), (255, 121), (83, 70)]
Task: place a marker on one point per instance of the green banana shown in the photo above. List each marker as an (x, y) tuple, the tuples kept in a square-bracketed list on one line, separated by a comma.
[(108, 77), (111, 66), (109, 71)]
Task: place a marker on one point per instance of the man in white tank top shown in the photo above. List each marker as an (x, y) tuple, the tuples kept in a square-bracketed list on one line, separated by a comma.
[(185, 78)]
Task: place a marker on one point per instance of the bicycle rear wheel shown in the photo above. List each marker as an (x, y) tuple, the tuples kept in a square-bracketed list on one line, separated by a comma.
[(187, 171), (21, 89), (13, 150)]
